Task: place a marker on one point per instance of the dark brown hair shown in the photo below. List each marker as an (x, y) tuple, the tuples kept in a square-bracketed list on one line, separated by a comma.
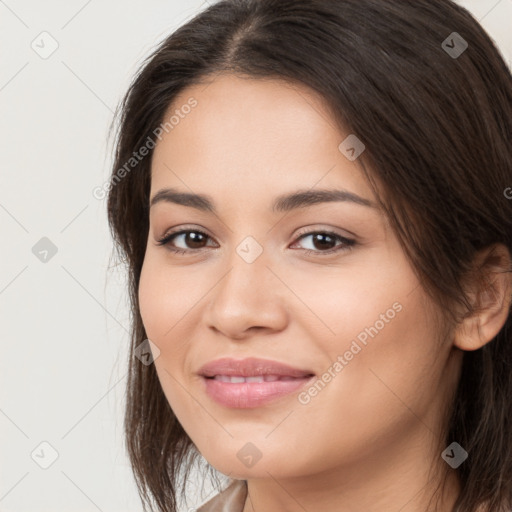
[(437, 129)]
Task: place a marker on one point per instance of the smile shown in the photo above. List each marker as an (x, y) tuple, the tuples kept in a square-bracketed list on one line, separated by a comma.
[(249, 392)]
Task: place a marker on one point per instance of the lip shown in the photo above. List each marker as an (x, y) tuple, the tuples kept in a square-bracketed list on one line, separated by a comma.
[(250, 367), (245, 395)]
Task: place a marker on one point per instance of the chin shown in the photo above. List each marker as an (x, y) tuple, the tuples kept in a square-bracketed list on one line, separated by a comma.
[(231, 465)]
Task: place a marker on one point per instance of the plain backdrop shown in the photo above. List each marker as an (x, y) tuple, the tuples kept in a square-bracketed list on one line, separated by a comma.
[(64, 315)]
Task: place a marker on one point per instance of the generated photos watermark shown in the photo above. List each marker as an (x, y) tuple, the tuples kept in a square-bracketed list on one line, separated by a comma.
[(100, 192), (355, 348)]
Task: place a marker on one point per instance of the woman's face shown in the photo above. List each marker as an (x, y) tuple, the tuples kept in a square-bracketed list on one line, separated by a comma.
[(260, 283)]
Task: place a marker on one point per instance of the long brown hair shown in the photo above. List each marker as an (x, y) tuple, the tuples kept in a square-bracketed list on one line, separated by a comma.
[(437, 127)]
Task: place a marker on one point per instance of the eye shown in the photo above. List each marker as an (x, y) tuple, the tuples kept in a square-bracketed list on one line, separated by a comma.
[(321, 241), (190, 236)]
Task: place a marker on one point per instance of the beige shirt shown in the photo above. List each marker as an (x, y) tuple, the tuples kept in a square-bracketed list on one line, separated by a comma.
[(231, 499)]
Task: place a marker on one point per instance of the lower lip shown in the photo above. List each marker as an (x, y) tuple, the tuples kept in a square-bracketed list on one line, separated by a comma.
[(245, 395)]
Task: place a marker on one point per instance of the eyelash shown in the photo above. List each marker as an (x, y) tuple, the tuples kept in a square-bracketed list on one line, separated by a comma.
[(347, 243)]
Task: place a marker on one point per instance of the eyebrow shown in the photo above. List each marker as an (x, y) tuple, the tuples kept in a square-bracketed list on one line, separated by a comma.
[(283, 203)]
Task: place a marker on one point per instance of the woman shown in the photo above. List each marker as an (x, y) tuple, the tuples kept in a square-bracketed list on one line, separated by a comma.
[(311, 197)]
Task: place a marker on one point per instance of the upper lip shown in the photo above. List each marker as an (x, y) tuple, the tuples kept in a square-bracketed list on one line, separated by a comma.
[(251, 367)]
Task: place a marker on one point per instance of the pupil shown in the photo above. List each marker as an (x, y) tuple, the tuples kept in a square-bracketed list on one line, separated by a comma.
[(323, 239), (194, 237)]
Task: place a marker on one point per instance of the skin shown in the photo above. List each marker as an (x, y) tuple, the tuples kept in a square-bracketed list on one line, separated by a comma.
[(368, 440)]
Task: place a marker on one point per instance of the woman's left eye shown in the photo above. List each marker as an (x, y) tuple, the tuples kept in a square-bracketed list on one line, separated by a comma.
[(320, 239), (323, 238)]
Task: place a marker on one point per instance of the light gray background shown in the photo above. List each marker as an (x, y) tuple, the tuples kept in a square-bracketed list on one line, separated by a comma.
[(64, 322)]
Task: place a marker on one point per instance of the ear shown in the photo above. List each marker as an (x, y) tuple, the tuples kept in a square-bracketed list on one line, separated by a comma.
[(490, 293)]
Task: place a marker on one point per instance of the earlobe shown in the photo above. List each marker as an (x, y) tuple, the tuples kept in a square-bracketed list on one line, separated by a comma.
[(491, 297)]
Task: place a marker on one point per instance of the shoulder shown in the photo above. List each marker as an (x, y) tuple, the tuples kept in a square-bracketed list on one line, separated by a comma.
[(231, 499)]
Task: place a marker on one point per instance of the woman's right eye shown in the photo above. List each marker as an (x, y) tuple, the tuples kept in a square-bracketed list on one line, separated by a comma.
[(198, 237)]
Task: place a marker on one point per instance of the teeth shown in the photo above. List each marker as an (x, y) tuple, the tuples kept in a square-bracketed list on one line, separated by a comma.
[(259, 378), (235, 379)]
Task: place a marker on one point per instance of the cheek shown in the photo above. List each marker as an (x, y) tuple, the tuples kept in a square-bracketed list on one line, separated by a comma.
[(365, 402), (166, 298), (163, 308), (336, 304), (385, 364), (375, 320)]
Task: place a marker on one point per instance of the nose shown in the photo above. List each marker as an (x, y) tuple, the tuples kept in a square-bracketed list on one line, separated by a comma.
[(247, 299)]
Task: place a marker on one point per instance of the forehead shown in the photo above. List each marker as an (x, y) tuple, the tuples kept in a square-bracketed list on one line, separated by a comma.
[(252, 135)]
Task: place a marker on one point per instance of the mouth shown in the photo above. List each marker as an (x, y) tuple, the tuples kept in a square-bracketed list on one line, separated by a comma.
[(249, 392), (237, 379), (251, 367), (252, 382)]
